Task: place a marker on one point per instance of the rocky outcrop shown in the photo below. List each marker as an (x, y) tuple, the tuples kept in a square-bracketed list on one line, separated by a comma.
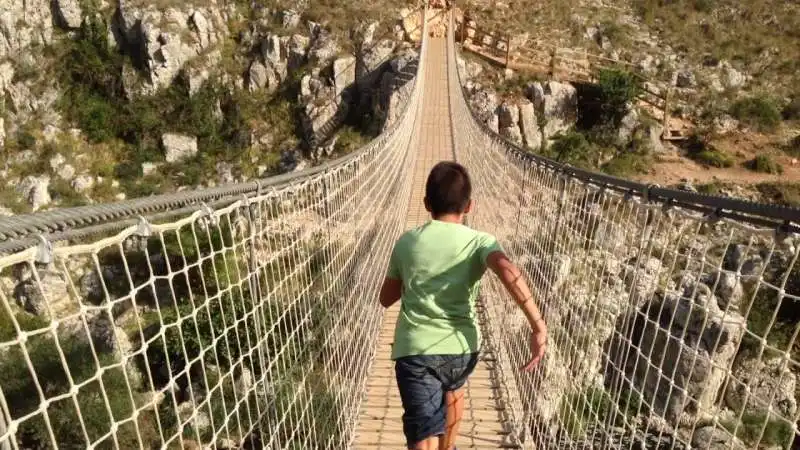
[(556, 105), (484, 105), (24, 24), (760, 385), (178, 147), (163, 41), (529, 125), (395, 88), (69, 13), (680, 338), (508, 122), (34, 191)]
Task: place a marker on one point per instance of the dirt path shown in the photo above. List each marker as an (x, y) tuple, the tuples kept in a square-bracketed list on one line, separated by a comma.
[(673, 168)]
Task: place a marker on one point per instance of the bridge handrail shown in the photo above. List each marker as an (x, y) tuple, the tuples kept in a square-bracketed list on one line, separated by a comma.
[(754, 213), (27, 230)]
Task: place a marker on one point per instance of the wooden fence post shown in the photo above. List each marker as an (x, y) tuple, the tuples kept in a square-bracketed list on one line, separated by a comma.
[(667, 97), (508, 50), (553, 63)]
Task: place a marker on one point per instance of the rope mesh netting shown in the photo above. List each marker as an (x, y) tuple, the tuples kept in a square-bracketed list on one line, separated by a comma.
[(668, 328), (254, 325), (249, 326)]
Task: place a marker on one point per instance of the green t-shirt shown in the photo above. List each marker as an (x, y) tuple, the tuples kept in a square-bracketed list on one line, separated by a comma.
[(440, 265)]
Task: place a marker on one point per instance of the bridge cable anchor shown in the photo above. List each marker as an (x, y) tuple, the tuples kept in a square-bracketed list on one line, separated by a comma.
[(143, 227), (44, 251)]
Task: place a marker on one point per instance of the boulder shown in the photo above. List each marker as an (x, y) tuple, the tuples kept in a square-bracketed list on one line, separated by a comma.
[(642, 279), (771, 385), (34, 191), (323, 48), (245, 383), (24, 24), (296, 50), (371, 58), (411, 22), (69, 13), (484, 105), (680, 339), (48, 296), (725, 124), (2, 131), (83, 183), (531, 134), (178, 147), (685, 79), (262, 76), (290, 18), (731, 78), (344, 73), (556, 104), (713, 438), (199, 418), (364, 34), (508, 122), (627, 126)]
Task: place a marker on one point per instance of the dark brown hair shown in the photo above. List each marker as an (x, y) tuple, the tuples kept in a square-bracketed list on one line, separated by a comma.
[(448, 189)]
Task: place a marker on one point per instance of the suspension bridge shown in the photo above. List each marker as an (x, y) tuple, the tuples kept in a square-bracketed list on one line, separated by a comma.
[(246, 316)]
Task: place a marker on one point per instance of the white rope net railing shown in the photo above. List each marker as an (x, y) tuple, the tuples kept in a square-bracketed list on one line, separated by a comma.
[(249, 326), (668, 328)]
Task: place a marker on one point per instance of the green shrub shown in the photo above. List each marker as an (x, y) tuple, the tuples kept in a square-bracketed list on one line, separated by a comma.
[(765, 164), (758, 112), (628, 163), (705, 6), (618, 88), (572, 148), (21, 393), (781, 193), (777, 432), (700, 151)]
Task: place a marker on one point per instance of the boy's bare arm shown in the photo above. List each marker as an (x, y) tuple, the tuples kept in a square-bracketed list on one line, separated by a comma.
[(391, 291), (515, 284)]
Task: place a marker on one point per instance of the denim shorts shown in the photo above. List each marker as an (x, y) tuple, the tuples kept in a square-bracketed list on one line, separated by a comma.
[(423, 381)]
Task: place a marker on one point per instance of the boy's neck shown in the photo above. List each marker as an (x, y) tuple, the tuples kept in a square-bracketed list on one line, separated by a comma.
[(450, 218)]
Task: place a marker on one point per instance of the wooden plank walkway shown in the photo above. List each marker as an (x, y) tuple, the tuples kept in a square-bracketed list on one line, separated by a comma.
[(380, 425)]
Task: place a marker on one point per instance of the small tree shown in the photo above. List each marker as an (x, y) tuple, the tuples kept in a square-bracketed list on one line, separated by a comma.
[(618, 89)]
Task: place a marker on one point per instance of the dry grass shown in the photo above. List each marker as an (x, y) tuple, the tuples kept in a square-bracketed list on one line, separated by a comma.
[(762, 36)]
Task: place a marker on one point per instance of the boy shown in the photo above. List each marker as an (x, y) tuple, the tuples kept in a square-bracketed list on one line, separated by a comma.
[(436, 269)]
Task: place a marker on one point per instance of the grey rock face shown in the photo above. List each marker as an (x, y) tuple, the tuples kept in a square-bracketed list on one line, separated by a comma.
[(34, 191), (178, 147), (556, 104), (529, 126), (69, 12), (771, 384)]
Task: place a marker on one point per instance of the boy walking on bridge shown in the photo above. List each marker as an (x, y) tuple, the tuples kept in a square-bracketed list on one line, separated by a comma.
[(436, 270)]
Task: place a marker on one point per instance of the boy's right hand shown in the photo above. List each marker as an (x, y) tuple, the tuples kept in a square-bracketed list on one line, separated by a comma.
[(538, 346)]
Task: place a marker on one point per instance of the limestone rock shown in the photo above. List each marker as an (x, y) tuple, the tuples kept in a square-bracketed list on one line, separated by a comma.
[(323, 48), (260, 76), (532, 136), (770, 382), (627, 126), (731, 78), (642, 279), (484, 105), (178, 147), (556, 105), (245, 383), (83, 183), (373, 57), (23, 25), (2, 131), (725, 124), (685, 79), (296, 49), (34, 191), (344, 73), (69, 13), (713, 438), (508, 122), (48, 295), (680, 338), (199, 418), (290, 18), (411, 23)]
